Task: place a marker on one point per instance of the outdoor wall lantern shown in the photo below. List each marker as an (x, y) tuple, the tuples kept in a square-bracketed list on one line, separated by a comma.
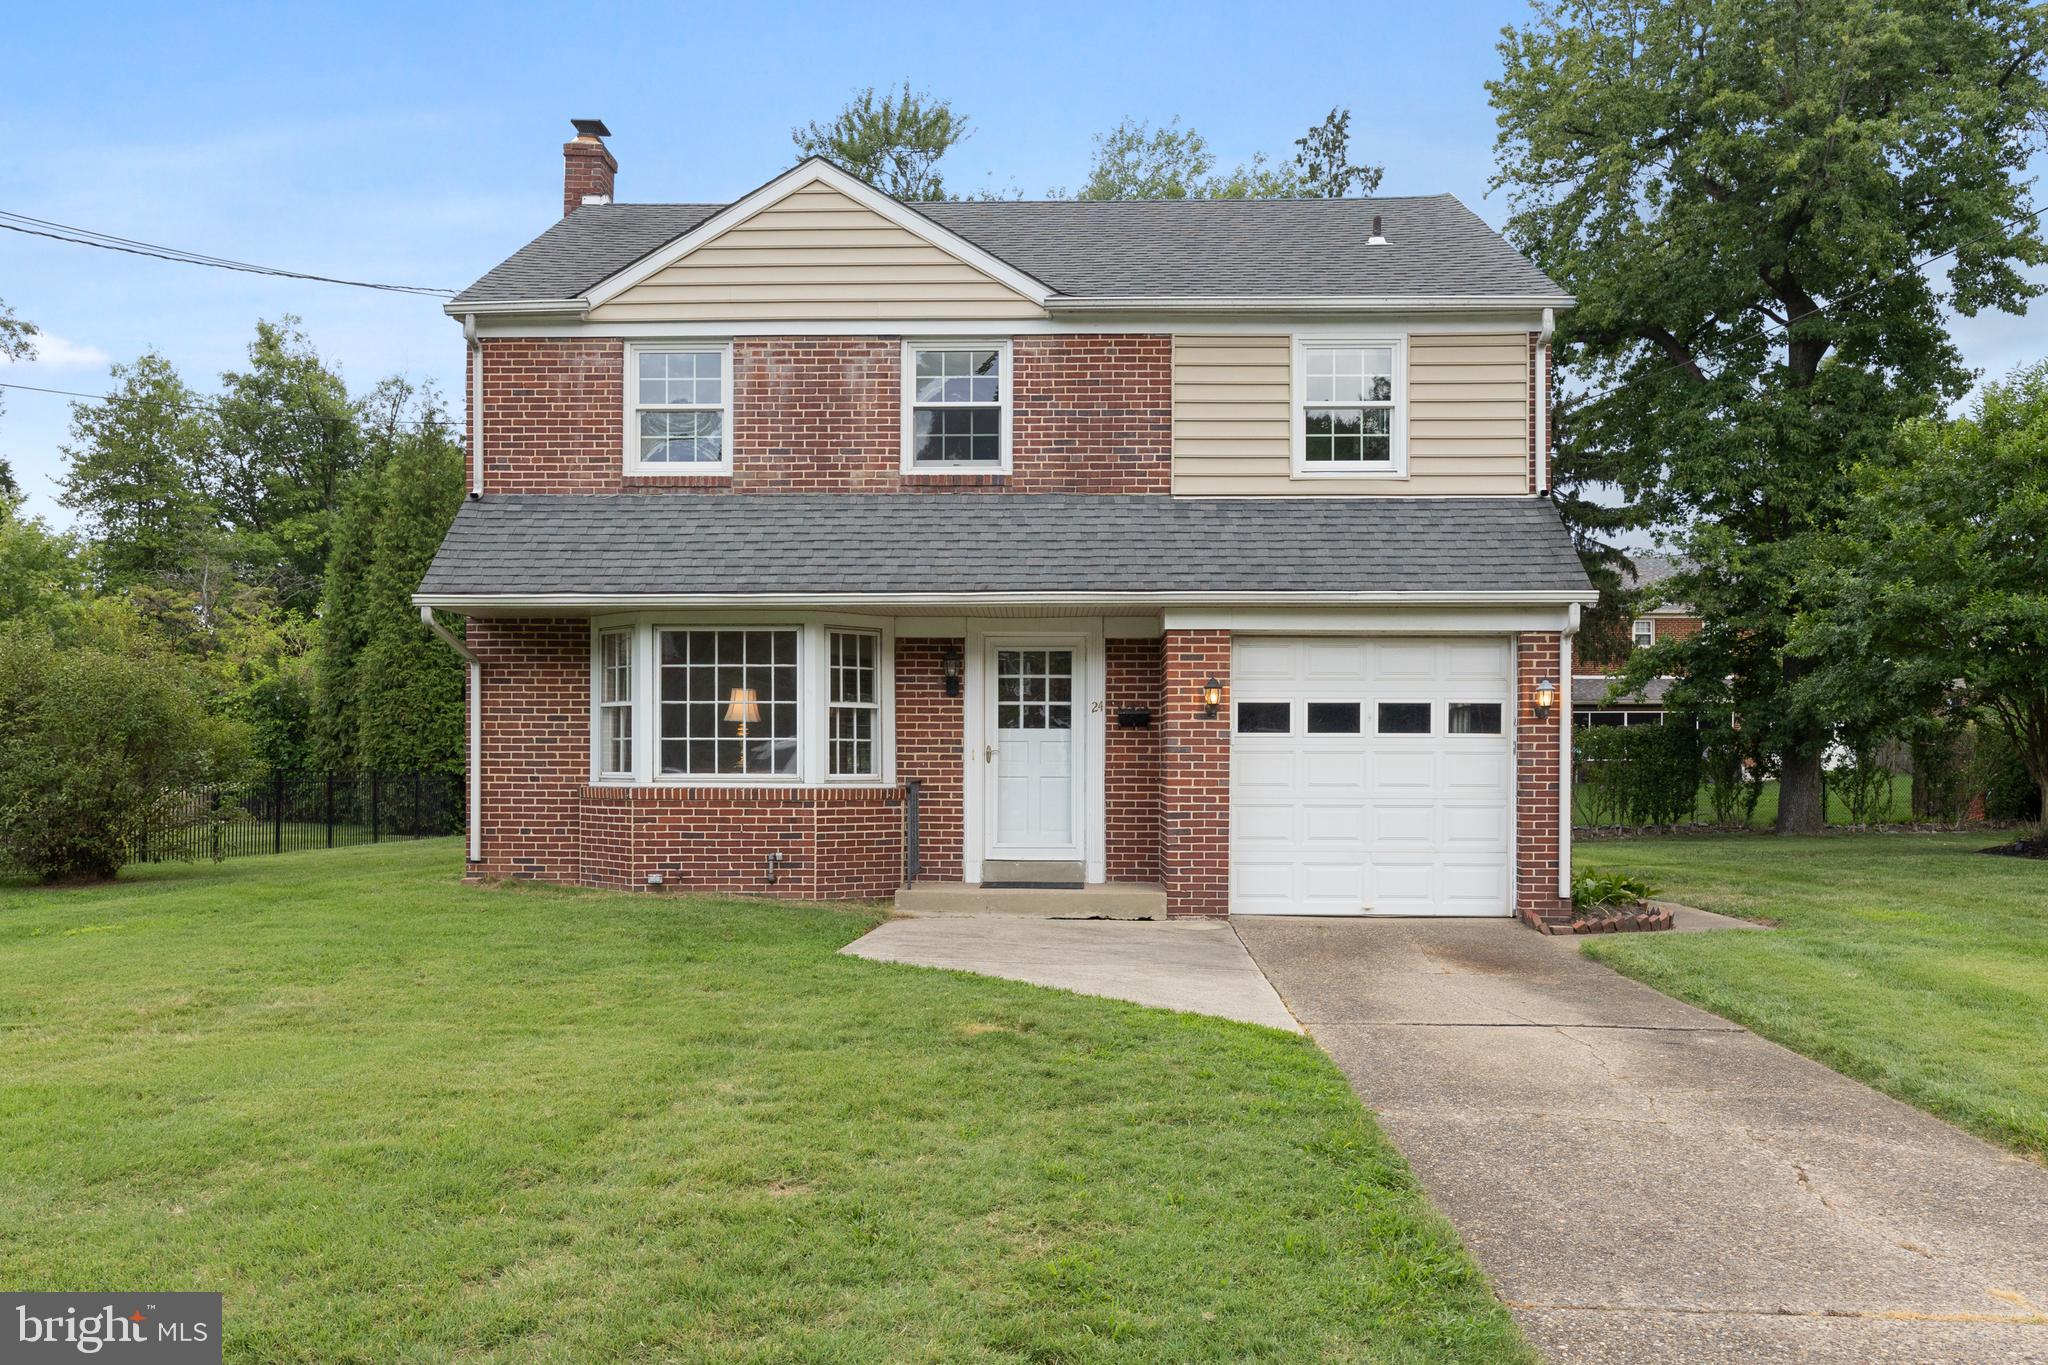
[(951, 665), (1546, 697), (1212, 697)]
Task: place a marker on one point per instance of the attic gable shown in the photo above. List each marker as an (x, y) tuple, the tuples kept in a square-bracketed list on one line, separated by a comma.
[(817, 244)]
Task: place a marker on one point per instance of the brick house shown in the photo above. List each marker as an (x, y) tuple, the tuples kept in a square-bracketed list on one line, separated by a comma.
[(819, 542), (1595, 700)]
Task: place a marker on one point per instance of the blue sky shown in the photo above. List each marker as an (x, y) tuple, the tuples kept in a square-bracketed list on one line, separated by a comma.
[(421, 144)]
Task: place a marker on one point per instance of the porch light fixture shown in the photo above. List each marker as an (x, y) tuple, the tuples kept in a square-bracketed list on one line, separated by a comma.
[(950, 664), (1212, 697), (1546, 697)]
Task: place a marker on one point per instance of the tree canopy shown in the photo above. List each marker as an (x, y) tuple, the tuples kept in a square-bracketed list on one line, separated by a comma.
[(1742, 196), (893, 140), (1136, 160)]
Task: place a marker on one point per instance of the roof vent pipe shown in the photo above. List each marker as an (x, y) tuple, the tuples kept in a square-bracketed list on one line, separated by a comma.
[(1376, 239)]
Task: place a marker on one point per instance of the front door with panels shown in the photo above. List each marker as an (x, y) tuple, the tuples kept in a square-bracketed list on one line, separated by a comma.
[(1034, 757), (1371, 776)]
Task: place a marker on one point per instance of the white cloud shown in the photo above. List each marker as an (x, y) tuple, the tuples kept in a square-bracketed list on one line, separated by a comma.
[(56, 353)]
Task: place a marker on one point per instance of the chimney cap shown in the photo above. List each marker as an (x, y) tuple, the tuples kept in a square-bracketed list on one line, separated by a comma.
[(590, 127)]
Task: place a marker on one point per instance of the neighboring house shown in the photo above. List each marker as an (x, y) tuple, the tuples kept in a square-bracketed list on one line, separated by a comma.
[(1594, 700), (816, 538)]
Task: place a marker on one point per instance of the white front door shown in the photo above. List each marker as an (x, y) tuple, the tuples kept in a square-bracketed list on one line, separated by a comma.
[(1034, 767)]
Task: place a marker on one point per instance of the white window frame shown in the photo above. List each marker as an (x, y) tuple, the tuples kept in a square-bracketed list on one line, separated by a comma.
[(633, 408), (873, 708), (1005, 388), (1640, 627), (1397, 442), (813, 660), (600, 772)]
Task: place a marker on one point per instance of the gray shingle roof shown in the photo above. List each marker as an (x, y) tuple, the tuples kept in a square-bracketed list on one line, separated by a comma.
[(888, 543), (1167, 248)]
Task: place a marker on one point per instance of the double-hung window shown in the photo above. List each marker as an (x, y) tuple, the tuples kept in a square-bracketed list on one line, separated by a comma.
[(956, 414), (679, 409), (1348, 416), (853, 703), (1643, 632), (615, 703)]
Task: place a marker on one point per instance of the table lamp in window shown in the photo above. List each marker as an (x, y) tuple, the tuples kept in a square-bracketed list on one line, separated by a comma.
[(743, 707)]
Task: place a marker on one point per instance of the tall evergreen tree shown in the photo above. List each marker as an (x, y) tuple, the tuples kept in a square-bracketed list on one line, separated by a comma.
[(1742, 194), (407, 686), (136, 464)]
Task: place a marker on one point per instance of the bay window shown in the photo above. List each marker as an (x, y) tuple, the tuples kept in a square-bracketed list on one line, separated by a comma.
[(691, 703)]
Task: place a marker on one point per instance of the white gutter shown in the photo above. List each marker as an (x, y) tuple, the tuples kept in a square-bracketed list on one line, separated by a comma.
[(476, 406), (1543, 401), (1308, 303), (476, 728), (969, 600), (1564, 756), (487, 307)]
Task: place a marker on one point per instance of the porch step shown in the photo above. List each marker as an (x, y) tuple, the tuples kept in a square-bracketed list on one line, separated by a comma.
[(1066, 876), (1098, 900)]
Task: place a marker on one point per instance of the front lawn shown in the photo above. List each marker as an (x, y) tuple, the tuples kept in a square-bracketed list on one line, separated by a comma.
[(396, 1119), (1909, 961)]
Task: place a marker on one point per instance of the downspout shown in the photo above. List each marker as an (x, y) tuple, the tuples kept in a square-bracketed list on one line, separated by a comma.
[(1564, 753), (476, 405), (476, 727), (1542, 401)]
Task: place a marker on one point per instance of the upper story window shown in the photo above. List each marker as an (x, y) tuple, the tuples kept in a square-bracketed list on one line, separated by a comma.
[(1350, 417), (679, 409), (1644, 632), (956, 407)]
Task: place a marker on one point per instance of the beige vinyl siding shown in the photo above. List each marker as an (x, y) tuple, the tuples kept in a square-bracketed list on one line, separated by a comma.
[(816, 255), (1468, 418)]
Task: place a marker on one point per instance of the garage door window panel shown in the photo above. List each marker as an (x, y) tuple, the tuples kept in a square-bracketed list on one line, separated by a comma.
[(1333, 717), (1475, 718), (1404, 718), (1265, 718)]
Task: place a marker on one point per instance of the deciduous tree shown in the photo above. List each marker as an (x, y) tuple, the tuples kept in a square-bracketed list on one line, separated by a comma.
[(1764, 210), (892, 140)]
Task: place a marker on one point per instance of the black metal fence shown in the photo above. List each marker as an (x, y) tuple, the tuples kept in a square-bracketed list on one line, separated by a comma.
[(286, 812)]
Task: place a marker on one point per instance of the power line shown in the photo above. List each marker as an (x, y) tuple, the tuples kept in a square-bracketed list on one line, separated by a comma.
[(213, 405), (107, 241)]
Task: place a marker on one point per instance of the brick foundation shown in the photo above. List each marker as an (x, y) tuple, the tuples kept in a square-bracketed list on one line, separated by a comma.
[(1194, 852), (1539, 788), (836, 843)]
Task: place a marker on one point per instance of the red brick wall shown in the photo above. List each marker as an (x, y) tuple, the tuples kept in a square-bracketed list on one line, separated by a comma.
[(836, 843), (1135, 677), (536, 744), (824, 414), (1539, 788), (1195, 777), (928, 739), (587, 168), (1668, 628)]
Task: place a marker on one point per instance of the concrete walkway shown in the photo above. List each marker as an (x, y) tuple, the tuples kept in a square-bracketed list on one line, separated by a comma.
[(1647, 1182), (1197, 966)]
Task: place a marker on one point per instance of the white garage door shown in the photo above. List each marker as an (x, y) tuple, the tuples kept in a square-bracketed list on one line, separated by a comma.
[(1371, 776)]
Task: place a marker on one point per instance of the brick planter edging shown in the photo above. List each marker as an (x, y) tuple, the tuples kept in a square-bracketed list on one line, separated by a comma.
[(1643, 919)]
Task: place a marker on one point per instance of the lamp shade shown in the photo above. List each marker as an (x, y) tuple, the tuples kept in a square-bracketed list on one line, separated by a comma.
[(743, 706)]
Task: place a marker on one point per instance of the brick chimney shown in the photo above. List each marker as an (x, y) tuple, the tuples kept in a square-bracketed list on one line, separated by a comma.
[(588, 167)]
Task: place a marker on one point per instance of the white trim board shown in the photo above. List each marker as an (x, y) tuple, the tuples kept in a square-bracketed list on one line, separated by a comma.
[(1481, 322), (1054, 603)]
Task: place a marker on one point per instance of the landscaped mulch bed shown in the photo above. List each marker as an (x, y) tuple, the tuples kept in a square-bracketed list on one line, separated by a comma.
[(2031, 846)]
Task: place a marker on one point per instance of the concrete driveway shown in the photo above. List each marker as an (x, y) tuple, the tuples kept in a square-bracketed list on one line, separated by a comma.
[(1647, 1182)]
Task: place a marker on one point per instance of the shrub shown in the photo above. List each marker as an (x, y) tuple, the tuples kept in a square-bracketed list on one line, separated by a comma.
[(1735, 772), (1862, 779), (1590, 889), (93, 744), (1944, 762), (2001, 774), (1638, 775)]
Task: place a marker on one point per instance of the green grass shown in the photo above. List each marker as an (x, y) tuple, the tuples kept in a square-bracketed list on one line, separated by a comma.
[(397, 1119), (1909, 961)]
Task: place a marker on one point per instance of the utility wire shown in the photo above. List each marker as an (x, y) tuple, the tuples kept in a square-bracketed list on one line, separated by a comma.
[(106, 241), (213, 405)]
